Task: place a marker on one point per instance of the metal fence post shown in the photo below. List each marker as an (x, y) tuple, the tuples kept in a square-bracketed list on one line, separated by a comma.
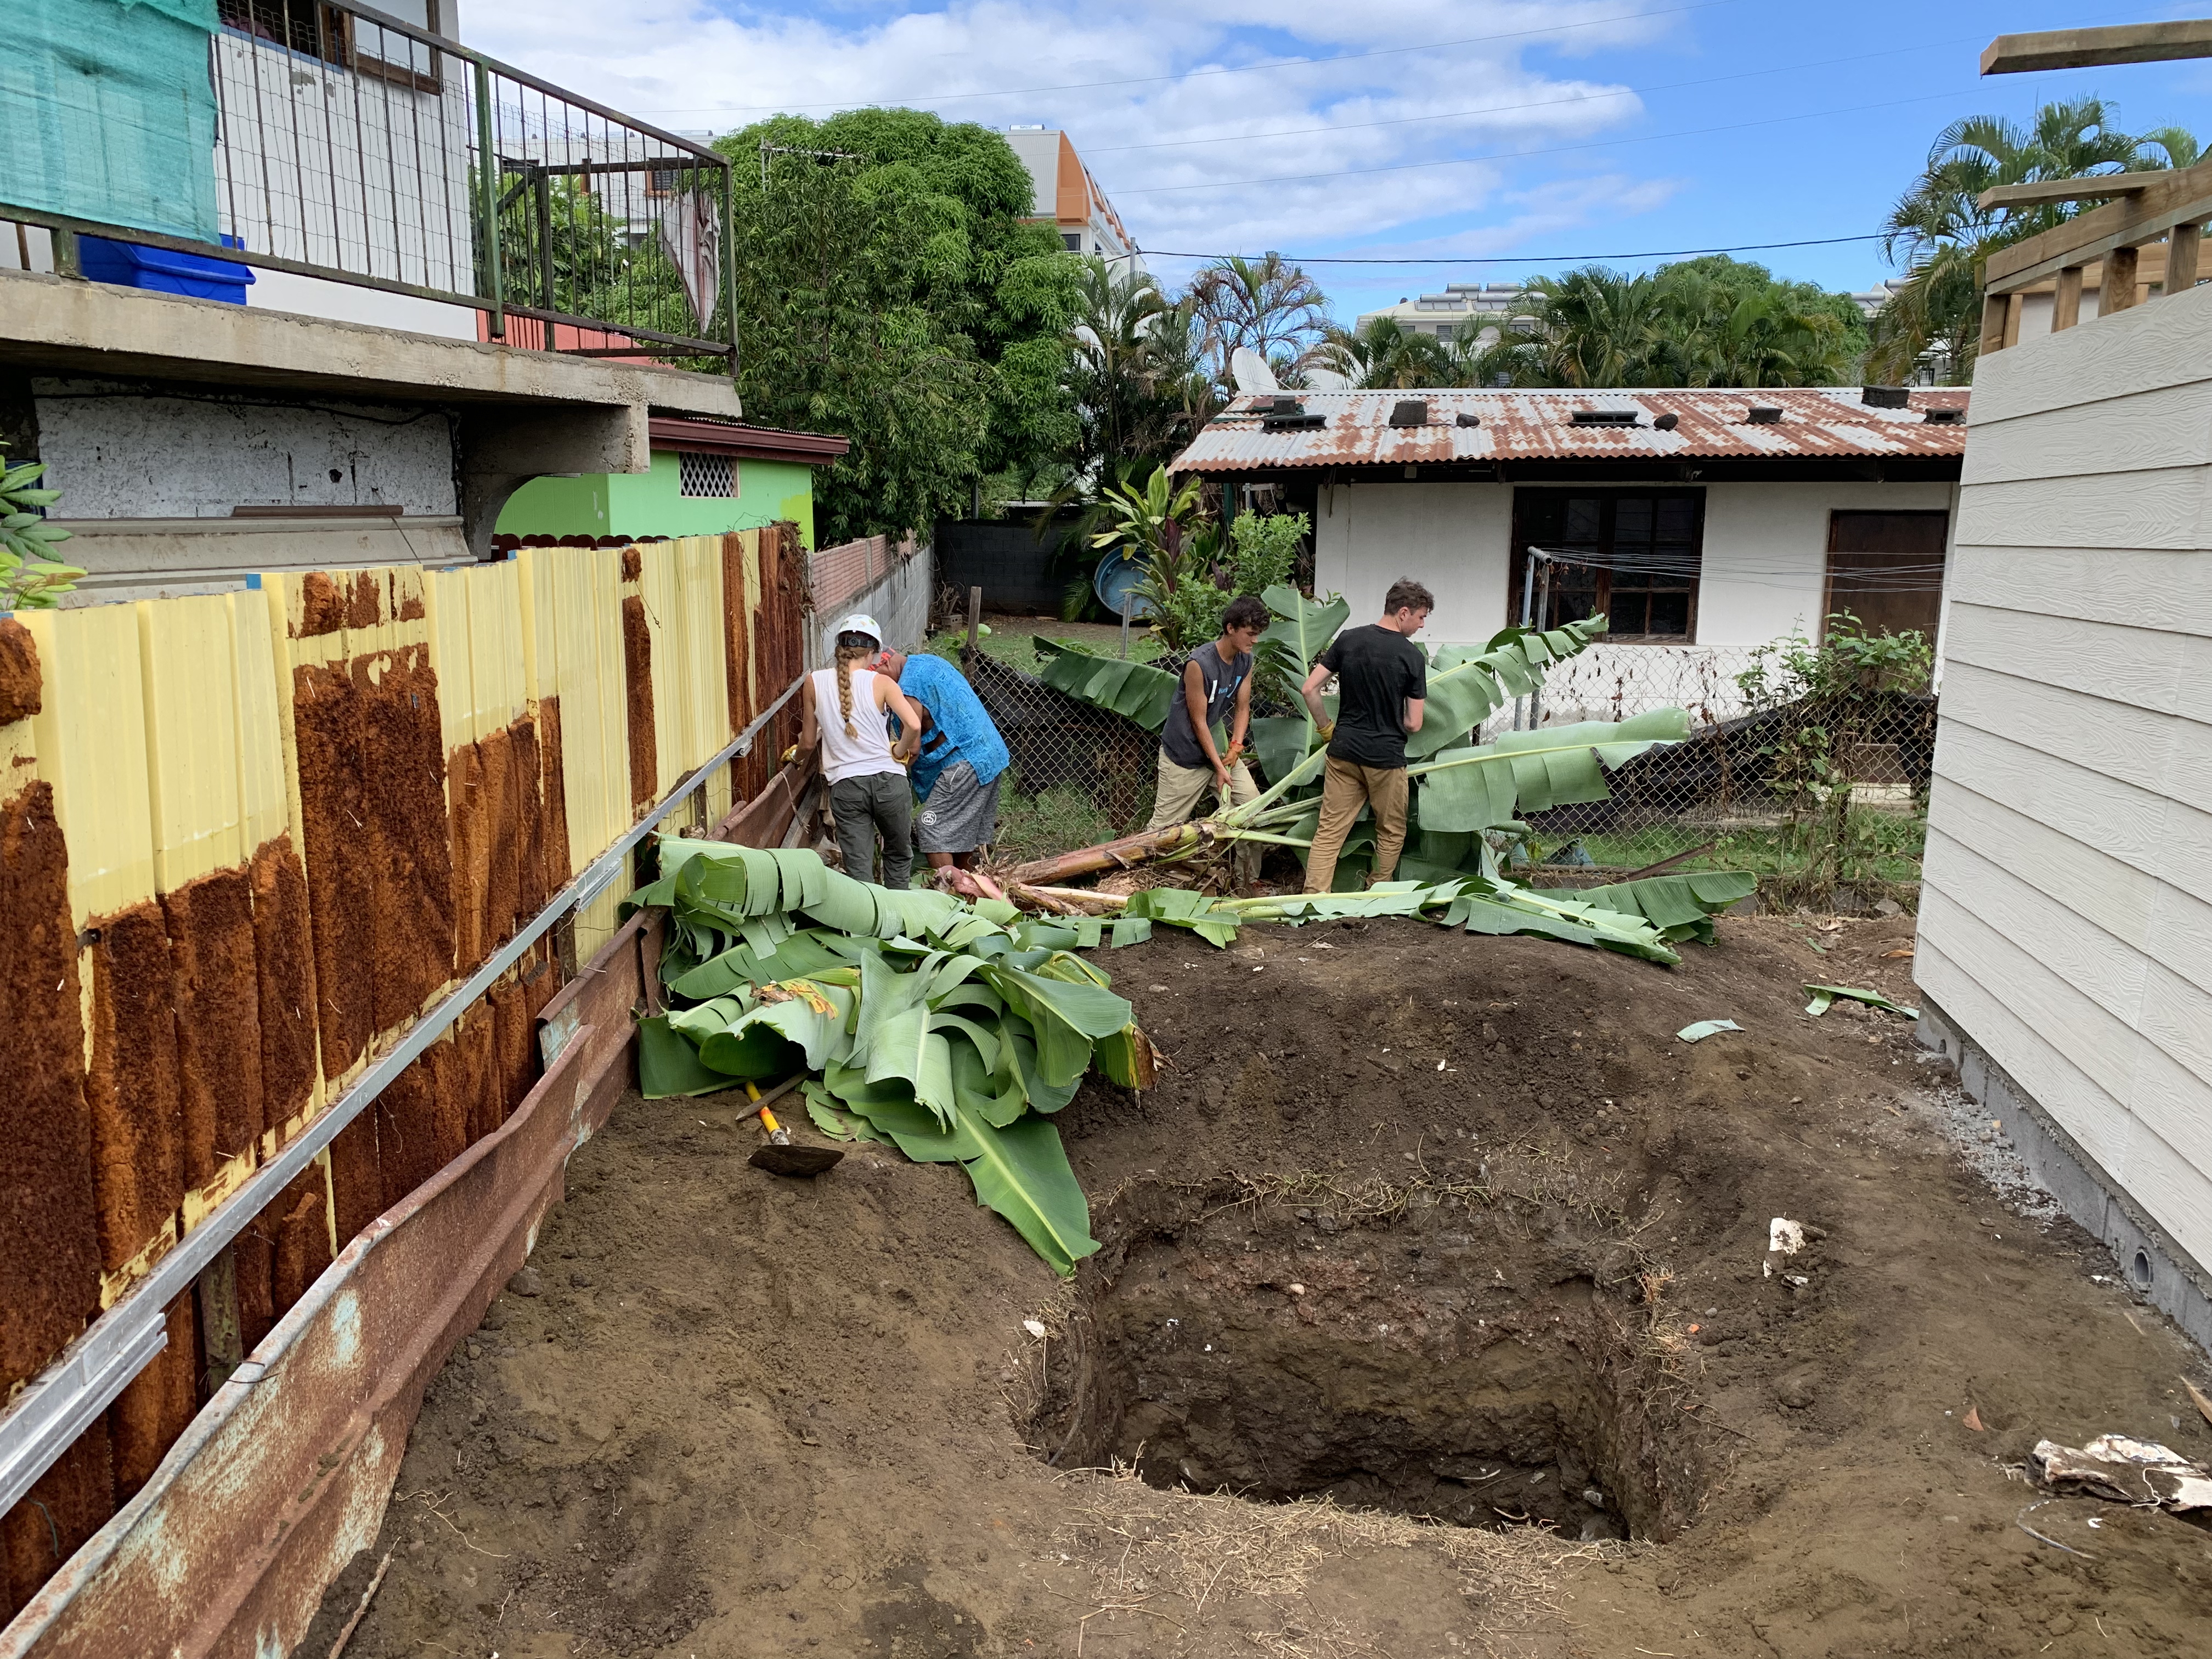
[(487, 195), (730, 260)]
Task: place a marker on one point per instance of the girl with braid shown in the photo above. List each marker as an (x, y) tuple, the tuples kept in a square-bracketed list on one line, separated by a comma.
[(866, 775)]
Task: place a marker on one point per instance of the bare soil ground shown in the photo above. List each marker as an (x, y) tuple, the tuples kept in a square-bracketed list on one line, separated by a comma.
[(1418, 1224)]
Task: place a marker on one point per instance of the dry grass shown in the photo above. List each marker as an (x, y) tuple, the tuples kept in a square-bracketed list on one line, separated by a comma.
[(1177, 1561)]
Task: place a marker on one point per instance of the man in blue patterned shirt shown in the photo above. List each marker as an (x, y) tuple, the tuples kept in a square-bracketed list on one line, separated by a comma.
[(955, 774)]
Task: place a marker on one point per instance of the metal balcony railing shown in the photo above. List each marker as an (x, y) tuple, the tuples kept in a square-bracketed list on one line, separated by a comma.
[(360, 148)]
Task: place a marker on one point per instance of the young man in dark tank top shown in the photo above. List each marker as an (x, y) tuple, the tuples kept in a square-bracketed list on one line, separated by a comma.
[(1215, 690)]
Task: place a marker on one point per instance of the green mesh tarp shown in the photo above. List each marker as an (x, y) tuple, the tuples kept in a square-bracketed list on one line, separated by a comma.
[(108, 112)]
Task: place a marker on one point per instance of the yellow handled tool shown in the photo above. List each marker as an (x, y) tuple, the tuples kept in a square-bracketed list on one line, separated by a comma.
[(779, 1155)]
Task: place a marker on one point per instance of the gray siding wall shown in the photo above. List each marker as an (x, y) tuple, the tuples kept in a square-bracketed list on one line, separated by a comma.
[(2066, 921)]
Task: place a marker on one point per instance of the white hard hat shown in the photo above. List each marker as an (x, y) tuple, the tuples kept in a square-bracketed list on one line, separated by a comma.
[(861, 623)]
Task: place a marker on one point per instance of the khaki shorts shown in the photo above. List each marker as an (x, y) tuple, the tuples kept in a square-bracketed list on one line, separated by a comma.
[(1181, 787)]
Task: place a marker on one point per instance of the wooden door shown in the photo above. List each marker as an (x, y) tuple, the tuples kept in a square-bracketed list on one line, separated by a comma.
[(1886, 569)]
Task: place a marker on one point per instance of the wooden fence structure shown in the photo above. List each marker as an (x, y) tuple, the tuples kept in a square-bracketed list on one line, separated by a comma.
[(247, 840)]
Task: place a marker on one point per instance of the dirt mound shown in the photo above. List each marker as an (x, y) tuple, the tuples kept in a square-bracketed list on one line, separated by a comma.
[(1424, 1233)]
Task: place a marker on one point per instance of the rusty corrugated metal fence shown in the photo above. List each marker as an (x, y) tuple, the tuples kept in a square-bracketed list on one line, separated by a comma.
[(247, 841)]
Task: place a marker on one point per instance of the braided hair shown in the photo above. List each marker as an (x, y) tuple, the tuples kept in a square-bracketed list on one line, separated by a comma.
[(851, 648)]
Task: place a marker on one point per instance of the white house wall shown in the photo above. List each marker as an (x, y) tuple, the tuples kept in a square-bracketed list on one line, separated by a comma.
[(1451, 537), (2069, 875), (1765, 552)]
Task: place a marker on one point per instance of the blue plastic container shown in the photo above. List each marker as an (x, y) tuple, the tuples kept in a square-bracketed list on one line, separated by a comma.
[(128, 265), (1116, 579)]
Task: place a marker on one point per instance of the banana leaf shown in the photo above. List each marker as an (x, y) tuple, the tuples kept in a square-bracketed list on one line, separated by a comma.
[(1477, 788), (1465, 690), (1020, 1169), (773, 1039), (1301, 629), (1136, 690), (1280, 743), (1479, 912), (668, 1065), (1682, 907), (799, 954)]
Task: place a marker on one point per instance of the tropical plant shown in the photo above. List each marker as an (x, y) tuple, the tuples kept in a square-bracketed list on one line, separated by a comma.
[(29, 580), (1943, 235), (951, 1032), (1383, 355), (1267, 304), (1845, 692), (1130, 368)]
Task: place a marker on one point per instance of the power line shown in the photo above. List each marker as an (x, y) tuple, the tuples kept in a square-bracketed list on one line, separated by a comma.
[(1230, 68), (1521, 258), (1541, 103), (1523, 154)]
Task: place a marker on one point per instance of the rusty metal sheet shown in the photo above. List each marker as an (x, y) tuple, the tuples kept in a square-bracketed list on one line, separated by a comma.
[(285, 1475), (287, 1472), (1818, 422)]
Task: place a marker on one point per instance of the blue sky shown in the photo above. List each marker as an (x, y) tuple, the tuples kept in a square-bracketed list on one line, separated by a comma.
[(1472, 129)]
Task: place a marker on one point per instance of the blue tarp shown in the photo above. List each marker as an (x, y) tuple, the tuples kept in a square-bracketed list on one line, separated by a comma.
[(109, 113)]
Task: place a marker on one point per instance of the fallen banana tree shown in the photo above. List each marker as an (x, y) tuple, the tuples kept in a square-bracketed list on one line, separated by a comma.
[(950, 1030), (1466, 686)]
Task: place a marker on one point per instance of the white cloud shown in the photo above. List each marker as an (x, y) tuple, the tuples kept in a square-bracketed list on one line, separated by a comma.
[(689, 65)]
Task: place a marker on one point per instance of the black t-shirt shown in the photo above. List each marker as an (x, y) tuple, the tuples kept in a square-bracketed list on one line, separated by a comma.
[(1377, 672)]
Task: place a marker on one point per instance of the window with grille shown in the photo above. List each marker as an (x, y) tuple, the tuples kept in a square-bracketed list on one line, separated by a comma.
[(706, 475), (1641, 555)]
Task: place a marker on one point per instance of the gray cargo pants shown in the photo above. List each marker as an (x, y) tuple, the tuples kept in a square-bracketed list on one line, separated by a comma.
[(862, 805)]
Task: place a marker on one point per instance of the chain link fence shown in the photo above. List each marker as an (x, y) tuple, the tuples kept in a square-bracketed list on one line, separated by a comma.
[(1823, 799)]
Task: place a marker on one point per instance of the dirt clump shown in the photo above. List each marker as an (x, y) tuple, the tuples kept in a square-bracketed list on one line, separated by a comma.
[(1530, 1232)]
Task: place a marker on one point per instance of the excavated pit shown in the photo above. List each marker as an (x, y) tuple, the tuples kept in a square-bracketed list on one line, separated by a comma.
[(1437, 1351)]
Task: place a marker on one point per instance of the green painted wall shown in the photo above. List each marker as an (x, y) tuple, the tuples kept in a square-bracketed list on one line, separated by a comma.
[(648, 504)]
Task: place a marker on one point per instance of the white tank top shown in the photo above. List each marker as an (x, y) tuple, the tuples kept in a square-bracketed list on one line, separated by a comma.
[(870, 750)]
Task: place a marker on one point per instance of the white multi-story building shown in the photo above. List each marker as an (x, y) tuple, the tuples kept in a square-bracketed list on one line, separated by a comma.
[(1067, 196)]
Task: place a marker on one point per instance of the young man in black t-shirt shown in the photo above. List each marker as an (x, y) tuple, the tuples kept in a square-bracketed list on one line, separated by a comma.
[(1381, 680)]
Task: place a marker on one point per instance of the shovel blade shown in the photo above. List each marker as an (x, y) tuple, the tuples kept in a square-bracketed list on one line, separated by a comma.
[(804, 1162)]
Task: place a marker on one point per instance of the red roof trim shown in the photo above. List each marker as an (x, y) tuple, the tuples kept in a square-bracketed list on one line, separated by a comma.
[(759, 443)]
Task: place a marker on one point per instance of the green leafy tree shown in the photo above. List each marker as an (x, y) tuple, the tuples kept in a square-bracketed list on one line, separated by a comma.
[(29, 580), (1709, 322), (1852, 688), (1943, 235), (889, 291)]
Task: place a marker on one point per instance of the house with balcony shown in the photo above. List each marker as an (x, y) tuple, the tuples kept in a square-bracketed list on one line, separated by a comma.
[(298, 286)]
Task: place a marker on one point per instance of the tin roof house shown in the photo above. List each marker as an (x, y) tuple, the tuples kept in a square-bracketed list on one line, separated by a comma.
[(1703, 522)]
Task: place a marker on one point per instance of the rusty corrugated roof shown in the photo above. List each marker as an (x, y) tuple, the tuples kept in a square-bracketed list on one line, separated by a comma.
[(1827, 423)]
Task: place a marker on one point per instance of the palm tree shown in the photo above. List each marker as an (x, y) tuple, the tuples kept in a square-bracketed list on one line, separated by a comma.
[(1384, 355), (1267, 304), (1727, 324), (1590, 327), (1130, 355), (1944, 235)]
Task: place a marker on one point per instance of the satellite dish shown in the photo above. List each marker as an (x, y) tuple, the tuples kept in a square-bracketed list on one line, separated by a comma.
[(1250, 370)]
